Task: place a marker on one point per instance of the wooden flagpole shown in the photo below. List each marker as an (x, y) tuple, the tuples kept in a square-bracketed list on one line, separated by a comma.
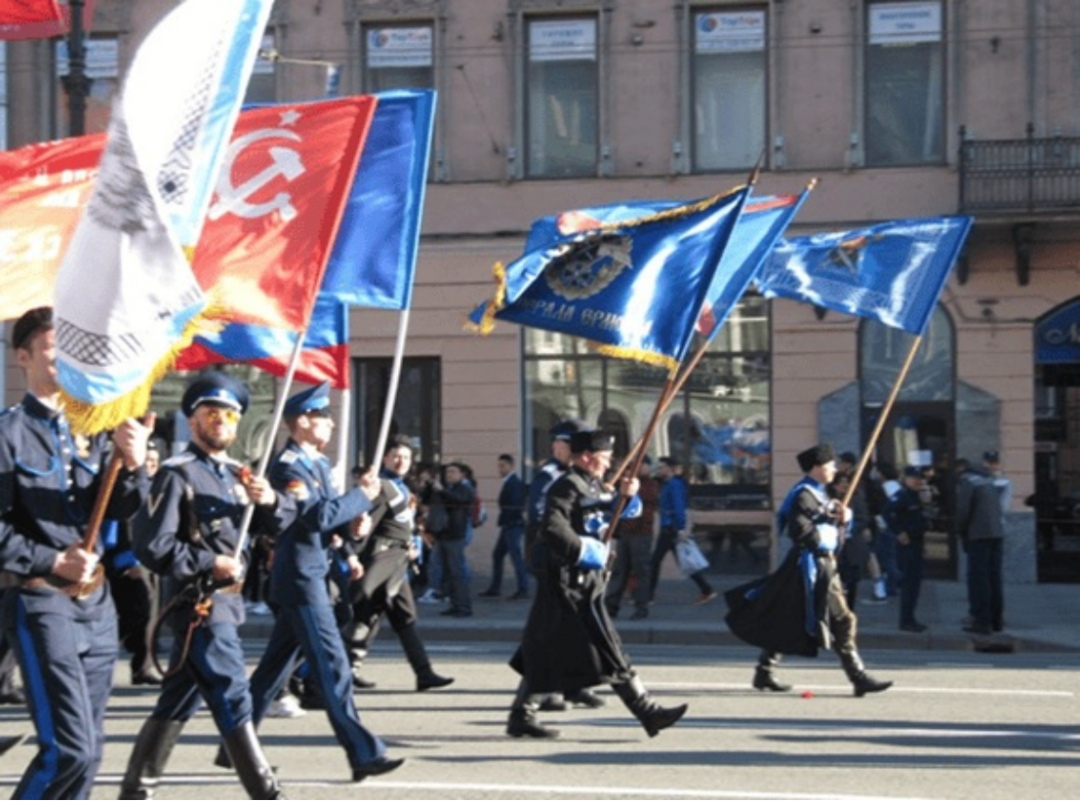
[(864, 460)]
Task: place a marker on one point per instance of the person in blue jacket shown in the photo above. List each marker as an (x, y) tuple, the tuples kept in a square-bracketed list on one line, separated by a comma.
[(58, 613)]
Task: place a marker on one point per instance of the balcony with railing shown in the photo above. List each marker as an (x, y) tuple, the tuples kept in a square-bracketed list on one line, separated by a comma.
[(1025, 178)]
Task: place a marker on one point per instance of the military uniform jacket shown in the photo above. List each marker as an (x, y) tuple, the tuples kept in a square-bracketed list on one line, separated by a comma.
[(194, 513), (302, 553), (569, 641), (49, 482)]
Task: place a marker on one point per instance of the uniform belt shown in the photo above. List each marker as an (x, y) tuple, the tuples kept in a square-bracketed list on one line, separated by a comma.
[(231, 589), (8, 580)]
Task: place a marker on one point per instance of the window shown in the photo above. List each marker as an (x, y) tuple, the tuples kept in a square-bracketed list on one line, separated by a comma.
[(905, 121), (103, 70), (729, 89), (417, 409), (718, 426), (262, 85), (398, 57), (882, 351), (561, 105)]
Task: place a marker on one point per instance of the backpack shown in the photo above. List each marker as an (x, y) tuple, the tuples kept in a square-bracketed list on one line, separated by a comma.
[(479, 512)]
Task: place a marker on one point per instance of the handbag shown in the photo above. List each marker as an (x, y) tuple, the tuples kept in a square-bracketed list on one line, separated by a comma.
[(689, 556)]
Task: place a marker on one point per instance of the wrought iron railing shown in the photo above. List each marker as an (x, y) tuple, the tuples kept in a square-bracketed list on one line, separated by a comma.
[(1019, 176)]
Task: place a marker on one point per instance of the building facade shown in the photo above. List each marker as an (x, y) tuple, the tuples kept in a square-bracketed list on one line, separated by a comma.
[(899, 109)]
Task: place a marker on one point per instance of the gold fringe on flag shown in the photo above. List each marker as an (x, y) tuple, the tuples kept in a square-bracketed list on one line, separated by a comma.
[(90, 418)]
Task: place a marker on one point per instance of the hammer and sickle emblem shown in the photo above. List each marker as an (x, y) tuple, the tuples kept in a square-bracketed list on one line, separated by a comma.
[(284, 162)]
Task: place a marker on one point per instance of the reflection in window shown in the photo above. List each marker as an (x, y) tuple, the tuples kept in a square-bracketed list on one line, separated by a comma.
[(718, 426), (398, 57), (882, 351), (905, 121), (729, 89), (561, 110)]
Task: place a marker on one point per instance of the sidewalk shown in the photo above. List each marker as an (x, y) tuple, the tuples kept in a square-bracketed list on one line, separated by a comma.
[(1038, 617)]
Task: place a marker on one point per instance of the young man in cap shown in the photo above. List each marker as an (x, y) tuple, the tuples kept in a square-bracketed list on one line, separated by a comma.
[(305, 623), (58, 613), (816, 525), (384, 588), (188, 532), (569, 640)]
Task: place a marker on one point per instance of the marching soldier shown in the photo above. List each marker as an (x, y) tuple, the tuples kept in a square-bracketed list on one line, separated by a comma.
[(188, 532), (385, 587), (569, 641), (57, 612), (305, 621)]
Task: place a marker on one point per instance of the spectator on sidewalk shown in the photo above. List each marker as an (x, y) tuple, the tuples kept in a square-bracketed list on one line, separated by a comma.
[(905, 516), (979, 525), (631, 571), (511, 539), (674, 524)]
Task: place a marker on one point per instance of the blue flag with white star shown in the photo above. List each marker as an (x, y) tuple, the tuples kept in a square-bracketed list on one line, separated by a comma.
[(893, 272)]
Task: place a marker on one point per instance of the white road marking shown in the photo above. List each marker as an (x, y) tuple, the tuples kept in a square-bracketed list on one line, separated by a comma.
[(509, 789)]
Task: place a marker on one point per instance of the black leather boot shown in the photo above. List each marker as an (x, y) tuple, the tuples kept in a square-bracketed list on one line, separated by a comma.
[(426, 677), (522, 721), (653, 717), (862, 682), (251, 766), (153, 745), (764, 675)]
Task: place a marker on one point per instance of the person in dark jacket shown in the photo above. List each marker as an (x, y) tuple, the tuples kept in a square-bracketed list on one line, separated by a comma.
[(58, 613), (905, 516), (511, 532), (457, 495), (978, 521), (569, 640), (384, 588), (188, 532)]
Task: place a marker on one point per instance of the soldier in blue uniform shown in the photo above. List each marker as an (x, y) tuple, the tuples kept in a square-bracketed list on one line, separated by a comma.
[(569, 640), (305, 622), (66, 645), (188, 532), (385, 587)]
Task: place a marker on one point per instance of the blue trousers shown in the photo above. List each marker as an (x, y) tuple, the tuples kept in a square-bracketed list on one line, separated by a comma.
[(66, 651), (509, 544), (313, 632)]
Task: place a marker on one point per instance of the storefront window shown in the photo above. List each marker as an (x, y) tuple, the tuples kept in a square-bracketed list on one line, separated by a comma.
[(718, 425)]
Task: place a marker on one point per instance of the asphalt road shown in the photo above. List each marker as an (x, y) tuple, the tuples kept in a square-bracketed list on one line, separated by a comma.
[(956, 725)]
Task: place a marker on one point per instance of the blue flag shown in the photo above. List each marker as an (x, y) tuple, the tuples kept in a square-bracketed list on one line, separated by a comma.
[(892, 272), (762, 222), (633, 287), (374, 257)]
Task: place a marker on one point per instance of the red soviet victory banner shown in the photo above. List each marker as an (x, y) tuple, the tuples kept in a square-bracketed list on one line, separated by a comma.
[(278, 206), (43, 189), (272, 224)]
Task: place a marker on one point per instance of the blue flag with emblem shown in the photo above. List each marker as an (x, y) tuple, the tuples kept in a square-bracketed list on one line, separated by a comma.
[(892, 272), (633, 287)]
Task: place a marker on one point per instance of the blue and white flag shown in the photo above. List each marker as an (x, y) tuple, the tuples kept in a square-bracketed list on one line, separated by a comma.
[(634, 287), (126, 297), (893, 272)]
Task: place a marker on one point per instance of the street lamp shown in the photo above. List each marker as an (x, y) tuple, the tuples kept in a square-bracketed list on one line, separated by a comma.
[(76, 83)]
